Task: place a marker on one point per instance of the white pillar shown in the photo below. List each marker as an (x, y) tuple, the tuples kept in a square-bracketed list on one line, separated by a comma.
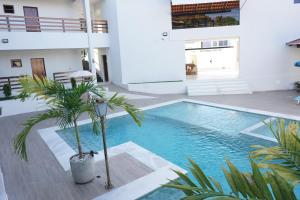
[(87, 14)]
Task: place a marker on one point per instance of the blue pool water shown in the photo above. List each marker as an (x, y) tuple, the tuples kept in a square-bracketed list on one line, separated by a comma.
[(180, 131), (265, 130)]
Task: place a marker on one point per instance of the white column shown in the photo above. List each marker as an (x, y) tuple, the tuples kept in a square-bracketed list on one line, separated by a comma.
[(87, 14)]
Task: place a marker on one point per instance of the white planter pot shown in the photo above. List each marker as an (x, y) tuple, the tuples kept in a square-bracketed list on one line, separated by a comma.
[(83, 170)]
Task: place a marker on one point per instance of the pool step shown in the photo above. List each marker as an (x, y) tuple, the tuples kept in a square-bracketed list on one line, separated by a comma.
[(217, 87)]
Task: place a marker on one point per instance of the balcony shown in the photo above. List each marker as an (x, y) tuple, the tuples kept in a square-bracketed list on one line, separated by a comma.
[(25, 33), (224, 13), (41, 24)]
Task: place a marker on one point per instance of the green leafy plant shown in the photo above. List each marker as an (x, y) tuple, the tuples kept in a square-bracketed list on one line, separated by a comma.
[(66, 106), (281, 166), (73, 82), (225, 21), (285, 157), (7, 90), (253, 185)]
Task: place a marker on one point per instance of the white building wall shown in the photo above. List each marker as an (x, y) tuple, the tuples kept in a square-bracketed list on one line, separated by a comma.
[(145, 56), (137, 51), (21, 40), (98, 53), (110, 13), (55, 61), (138, 54), (43, 40), (52, 8), (266, 63), (61, 50)]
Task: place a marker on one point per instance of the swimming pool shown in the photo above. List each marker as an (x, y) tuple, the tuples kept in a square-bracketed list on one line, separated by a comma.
[(180, 131)]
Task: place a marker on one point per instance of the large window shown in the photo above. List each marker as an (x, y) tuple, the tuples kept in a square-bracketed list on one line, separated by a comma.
[(225, 13), (297, 1)]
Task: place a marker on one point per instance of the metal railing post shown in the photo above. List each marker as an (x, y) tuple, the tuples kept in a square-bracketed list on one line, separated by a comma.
[(63, 25), (8, 23)]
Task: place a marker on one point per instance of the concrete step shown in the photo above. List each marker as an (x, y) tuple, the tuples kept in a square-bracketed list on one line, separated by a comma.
[(217, 87)]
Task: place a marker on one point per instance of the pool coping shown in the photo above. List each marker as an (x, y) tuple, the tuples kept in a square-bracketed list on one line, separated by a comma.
[(62, 151), (162, 169), (251, 130), (217, 105), (55, 141), (248, 131)]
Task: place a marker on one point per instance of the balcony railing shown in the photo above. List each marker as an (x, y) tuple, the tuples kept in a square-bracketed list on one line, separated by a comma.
[(64, 77), (41, 24), (13, 81)]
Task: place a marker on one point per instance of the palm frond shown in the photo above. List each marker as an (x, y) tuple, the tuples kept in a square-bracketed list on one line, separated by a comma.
[(33, 87), (243, 185), (66, 105), (285, 157), (120, 101), (20, 140)]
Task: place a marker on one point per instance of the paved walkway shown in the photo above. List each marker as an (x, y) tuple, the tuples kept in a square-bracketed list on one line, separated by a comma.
[(43, 178), (273, 101)]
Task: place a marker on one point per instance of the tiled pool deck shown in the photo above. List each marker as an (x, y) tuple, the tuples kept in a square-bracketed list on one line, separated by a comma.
[(43, 177)]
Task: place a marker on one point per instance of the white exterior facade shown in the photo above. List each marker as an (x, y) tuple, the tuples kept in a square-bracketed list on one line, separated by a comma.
[(140, 58), (266, 63), (61, 51), (55, 61)]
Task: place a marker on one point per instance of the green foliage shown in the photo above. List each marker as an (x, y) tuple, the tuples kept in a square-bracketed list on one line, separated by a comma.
[(281, 166), (66, 106), (7, 90), (73, 82), (225, 21), (253, 185), (286, 153)]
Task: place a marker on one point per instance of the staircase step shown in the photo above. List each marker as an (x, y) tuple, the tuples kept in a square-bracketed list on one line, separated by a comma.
[(198, 88)]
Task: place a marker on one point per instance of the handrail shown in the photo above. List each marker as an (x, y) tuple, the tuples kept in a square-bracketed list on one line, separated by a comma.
[(38, 24), (64, 77), (13, 81)]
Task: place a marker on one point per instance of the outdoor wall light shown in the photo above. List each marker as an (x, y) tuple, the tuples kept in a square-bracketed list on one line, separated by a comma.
[(4, 41), (101, 108), (165, 34)]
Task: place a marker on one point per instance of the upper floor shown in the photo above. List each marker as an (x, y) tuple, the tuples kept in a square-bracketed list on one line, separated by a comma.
[(31, 24)]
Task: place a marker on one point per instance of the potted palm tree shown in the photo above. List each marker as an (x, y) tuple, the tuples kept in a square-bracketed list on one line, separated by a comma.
[(66, 106)]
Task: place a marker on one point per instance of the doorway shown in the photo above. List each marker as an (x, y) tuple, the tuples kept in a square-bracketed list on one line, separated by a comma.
[(31, 19), (105, 68), (212, 59), (38, 67)]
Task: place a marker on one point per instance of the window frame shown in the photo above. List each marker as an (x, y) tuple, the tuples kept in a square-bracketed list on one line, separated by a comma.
[(11, 10)]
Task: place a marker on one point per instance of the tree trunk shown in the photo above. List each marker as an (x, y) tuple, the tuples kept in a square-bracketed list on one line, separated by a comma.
[(77, 134)]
